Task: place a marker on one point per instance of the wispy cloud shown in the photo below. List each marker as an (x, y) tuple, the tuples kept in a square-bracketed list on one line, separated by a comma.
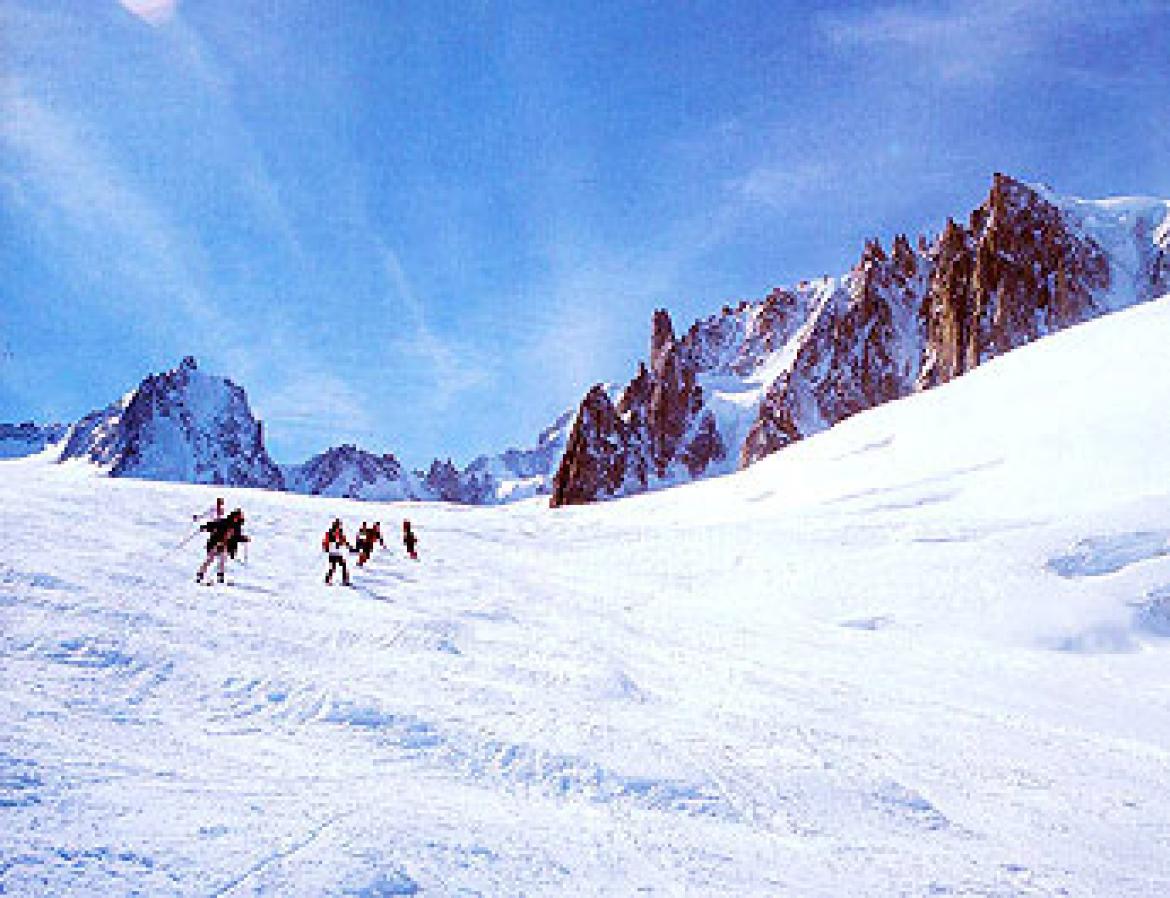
[(65, 179), (153, 12), (964, 40), (780, 186), (452, 368), (317, 407), (977, 40)]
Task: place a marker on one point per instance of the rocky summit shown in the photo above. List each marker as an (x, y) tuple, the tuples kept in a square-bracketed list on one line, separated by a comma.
[(181, 425)]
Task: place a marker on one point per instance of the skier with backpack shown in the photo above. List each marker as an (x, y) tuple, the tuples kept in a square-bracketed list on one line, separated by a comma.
[(367, 536), (335, 544), (224, 534), (409, 540)]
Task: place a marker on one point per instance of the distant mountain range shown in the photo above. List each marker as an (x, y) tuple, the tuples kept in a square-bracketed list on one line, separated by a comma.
[(189, 426), (732, 389), (19, 440)]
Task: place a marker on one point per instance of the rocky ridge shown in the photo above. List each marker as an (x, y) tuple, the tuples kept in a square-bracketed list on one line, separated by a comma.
[(759, 376), (181, 425), (27, 438)]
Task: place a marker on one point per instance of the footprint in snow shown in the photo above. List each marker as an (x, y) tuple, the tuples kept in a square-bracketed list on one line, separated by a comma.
[(1152, 613), (1099, 555), (385, 885), (878, 622)]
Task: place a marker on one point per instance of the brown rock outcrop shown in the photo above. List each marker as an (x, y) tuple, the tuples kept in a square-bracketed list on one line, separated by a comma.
[(1017, 272)]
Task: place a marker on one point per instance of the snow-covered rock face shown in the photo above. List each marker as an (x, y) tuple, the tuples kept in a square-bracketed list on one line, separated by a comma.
[(599, 456), (517, 473), (753, 379), (1024, 268), (20, 440), (351, 473), (183, 426), (443, 481)]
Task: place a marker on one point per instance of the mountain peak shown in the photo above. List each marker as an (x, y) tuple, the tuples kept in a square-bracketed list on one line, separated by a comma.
[(179, 427), (661, 332)]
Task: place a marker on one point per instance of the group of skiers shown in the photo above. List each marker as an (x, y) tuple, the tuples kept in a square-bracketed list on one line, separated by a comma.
[(335, 543), (225, 534)]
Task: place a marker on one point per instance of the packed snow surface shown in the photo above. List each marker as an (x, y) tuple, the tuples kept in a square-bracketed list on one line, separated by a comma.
[(924, 653)]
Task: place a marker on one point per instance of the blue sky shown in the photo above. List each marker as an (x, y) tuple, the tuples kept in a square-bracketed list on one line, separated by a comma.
[(429, 227)]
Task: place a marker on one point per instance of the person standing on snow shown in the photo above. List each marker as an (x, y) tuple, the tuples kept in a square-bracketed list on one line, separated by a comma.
[(359, 544), (409, 540), (367, 536), (223, 535), (336, 544)]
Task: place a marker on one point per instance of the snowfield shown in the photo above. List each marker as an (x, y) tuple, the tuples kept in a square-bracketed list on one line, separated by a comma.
[(924, 653)]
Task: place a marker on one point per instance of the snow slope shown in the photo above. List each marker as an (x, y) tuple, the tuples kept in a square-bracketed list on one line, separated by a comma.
[(923, 653)]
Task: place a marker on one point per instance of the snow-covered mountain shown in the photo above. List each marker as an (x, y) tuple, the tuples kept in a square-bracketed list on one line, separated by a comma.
[(757, 377), (517, 473), (733, 388), (181, 425), (19, 440), (351, 473)]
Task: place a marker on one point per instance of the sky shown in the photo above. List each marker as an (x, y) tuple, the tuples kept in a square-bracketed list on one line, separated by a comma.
[(429, 228)]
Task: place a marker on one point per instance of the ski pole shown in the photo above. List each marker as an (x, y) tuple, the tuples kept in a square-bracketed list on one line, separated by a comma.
[(188, 539)]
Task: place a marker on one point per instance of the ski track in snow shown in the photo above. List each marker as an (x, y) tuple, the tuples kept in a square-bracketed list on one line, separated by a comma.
[(931, 677)]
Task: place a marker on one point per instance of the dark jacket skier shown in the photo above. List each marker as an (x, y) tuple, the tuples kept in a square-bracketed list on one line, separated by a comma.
[(409, 540), (223, 535), (367, 536)]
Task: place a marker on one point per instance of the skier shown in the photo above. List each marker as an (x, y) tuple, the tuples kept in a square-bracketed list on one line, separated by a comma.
[(335, 544), (223, 534), (409, 540), (359, 544), (367, 536)]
